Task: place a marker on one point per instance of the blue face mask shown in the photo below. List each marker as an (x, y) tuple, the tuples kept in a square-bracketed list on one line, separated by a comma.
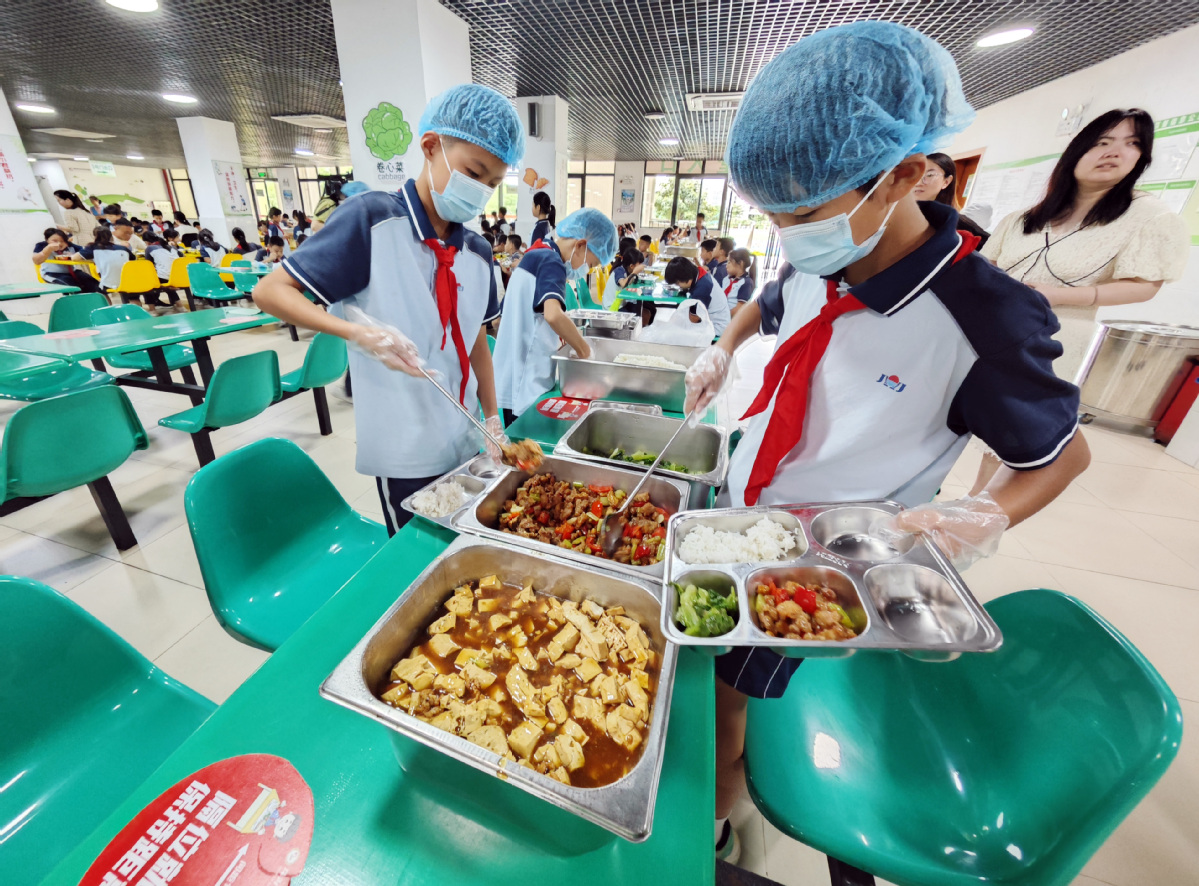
[(825, 247), (580, 272), (463, 198)]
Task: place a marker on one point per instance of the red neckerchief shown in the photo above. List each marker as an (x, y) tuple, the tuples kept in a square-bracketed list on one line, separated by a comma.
[(789, 372), (537, 244), (728, 287), (446, 285)]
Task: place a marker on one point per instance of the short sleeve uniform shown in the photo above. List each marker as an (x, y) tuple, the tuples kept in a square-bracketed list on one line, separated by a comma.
[(372, 255), (711, 296), (1148, 241), (541, 231), (739, 291), (523, 359)]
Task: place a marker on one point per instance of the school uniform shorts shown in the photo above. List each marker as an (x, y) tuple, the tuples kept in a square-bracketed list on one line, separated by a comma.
[(756, 671)]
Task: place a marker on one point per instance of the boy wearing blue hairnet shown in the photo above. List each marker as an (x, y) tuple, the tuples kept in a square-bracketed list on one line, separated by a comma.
[(416, 289), (895, 342), (535, 318)]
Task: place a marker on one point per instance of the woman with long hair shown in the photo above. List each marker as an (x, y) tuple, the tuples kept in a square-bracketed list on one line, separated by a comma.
[(77, 219), (939, 185), (546, 215)]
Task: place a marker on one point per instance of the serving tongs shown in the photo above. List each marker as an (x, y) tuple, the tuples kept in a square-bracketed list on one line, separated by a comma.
[(474, 419), (610, 533)]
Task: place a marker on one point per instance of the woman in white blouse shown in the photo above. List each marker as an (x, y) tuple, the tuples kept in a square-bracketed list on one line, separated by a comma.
[(1094, 240)]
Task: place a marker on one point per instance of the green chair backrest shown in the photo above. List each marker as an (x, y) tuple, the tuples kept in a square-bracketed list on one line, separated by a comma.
[(572, 297), (3, 316), (491, 343), (67, 441), (583, 295), (75, 311), (325, 361), (244, 282), (118, 314), (241, 263), (17, 329), (241, 388), (205, 279)]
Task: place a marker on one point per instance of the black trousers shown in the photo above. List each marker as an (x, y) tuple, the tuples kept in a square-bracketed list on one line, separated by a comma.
[(509, 417), (392, 491)]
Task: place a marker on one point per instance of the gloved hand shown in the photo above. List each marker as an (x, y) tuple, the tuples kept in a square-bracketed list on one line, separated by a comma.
[(496, 428), (965, 529), (383, 342), (705, 379)]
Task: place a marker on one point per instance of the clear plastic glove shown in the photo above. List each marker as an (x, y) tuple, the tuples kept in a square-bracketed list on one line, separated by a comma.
[(496, 428), (965, 529), (705, 379), (383, 342)]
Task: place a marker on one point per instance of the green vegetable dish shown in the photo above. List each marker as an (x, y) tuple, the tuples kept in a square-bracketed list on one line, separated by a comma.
[(702, 612), (641, 457)]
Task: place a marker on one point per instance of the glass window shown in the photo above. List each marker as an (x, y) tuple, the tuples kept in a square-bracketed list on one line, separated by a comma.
[(575, 167), (327, 170), (688, 201), (184, 198), (597, 192), (306, 171), (574, 194), (745, 224), (179, 173), (711, 196), (603, 167), (310, 195), (658, 203)]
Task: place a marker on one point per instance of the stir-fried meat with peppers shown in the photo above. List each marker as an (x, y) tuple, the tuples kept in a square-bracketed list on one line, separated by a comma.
[(524, 454), (569, 515), (796, 612)]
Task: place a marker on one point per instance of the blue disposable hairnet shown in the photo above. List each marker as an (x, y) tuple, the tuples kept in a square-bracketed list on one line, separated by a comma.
[(839, 107), (478, 115), (349, 189), (593, 226)]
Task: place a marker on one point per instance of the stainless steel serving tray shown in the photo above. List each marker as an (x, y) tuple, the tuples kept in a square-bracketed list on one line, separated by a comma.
[(474, 476), (606, 324), (908, 598), (704, 447), (481, 518), (625, 807), (599, 378)]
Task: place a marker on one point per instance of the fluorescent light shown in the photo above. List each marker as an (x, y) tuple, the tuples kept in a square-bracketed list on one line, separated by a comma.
[(80, 158), (36, 109), (322, 130), (300, 153), (134, 157), (181, 99), (31, 159), (668, 141), (655, 115), (1002, 38), (135, 5)]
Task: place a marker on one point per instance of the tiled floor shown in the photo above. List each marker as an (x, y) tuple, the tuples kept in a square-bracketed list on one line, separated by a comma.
[(1124, 538)]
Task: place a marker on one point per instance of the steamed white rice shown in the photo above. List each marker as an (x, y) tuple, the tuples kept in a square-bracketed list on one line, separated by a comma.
[(440, 501), (651, 360), (764, 541)]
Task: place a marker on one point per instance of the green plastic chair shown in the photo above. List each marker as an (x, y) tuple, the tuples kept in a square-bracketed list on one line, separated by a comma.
[(1009, 768), (41, 384), (241, 388), (244, 283), (75, 311), (86, 720), (206, 283), (583, 296), (572, 297), (3, 316), (74, 440), (274, 538), (491, 343), (178, 357), (324, 363)]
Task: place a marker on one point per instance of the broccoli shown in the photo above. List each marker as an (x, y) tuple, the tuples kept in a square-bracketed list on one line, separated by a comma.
[(703, 612)]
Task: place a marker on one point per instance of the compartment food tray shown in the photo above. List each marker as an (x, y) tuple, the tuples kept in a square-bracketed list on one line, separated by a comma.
[(908, 598), (474, 476)]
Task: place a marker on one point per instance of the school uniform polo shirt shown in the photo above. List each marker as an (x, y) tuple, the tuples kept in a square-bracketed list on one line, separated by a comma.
[(721, 272), (943, 350), (706, 292), (740, 290), (371, 254)]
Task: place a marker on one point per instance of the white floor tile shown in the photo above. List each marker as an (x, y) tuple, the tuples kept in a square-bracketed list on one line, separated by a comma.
[(790, 862), (150, 611), (1000, 575), (1144, 490), (1179, 536), (210, 661), (173, 556), (748, 823), (57, 565)]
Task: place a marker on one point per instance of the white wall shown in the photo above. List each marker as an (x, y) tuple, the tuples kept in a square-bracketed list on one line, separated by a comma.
[(547, 155), (1160, 77), (21, 228), (137, 188)]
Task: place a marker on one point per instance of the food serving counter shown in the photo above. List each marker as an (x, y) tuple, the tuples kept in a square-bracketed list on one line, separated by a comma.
[(375, 824)]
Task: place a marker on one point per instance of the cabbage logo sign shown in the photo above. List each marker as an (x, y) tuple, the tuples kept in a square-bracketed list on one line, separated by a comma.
[(387, 132)]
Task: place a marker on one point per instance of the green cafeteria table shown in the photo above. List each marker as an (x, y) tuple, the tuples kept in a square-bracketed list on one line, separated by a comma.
[(12, 291), (150, 334), (14, 365), (373, 824), (653, 293)]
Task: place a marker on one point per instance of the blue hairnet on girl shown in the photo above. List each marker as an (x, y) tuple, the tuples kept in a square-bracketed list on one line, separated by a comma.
[(593, 226), (835, 109), (479, 115)]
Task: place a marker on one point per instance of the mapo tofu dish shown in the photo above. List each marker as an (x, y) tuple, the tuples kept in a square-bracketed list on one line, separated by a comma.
[(569, 515), (564, 688)]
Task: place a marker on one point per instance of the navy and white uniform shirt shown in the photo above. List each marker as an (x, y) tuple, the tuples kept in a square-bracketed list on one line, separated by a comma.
[(541, 231), (371, 254), (712, 264), (524, 349), (739, 290), (706, 292), (944, 350), (721, 272)]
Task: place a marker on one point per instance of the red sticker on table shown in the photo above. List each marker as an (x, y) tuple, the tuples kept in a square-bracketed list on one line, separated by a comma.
[(245, 820), (564, 408)]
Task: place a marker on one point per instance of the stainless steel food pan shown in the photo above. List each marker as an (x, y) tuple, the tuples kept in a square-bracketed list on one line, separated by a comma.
[(625, 807), (904, 596), (703, 448), (606, 324), (599, 378), (473, 476), (483, 518)]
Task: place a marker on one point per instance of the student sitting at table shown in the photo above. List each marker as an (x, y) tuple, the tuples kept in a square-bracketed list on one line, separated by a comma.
[(273, 251), (263, 231), (97, 206), (698, 284), (302, 225), (515, 245), (624, 273), (645, 245), (707, 255), (546, 215), (534, 314), (241, 245), (122, 235), (162, 254), (171, 238), (187, 231), (210, 251), (724, 245), (739, 285), (56, 245), (626, 243), (107, 256)]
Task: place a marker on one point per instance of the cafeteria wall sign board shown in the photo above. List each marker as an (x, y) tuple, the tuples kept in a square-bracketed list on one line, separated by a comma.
[(229, 182), (18, 188), (100, 167), (1009, 187), (246, 820)]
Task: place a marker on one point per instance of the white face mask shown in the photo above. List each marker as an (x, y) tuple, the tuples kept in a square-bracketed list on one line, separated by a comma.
[(463, 198), (825, 247), (580, 272)]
